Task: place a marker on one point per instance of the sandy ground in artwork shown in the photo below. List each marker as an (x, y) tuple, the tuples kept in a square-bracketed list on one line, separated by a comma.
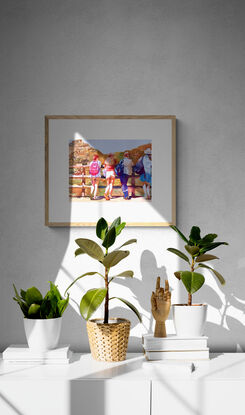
[(113, 200)]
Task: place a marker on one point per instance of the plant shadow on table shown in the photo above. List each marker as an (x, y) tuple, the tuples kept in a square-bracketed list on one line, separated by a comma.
[(141, 290)]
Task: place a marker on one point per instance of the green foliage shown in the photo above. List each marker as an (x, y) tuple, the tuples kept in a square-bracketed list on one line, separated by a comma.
[(118, 225), (33, 305), (91, 301), (107, 234), (179, 253), (110, 238), (129, 305), (196, 247), (33, 296), (216, 273), (180, 233), (205, 257), (79, 251), (192, 281), (193, 250), (195, 234), (90, 248), (129, 242), (114, 257), (127, 274), (33, 310), (101, 228)]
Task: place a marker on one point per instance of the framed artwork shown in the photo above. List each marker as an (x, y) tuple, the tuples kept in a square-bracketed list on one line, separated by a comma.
[(111, 165)]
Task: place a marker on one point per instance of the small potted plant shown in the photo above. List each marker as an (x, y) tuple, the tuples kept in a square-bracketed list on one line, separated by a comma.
[(42, 316), (108, 338), (189, 319)]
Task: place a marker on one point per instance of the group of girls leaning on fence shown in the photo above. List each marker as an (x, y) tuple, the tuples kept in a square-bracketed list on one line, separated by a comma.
[(124, 169)]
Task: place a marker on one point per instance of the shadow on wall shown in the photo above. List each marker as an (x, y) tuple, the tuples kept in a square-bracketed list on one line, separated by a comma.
[(224, 336), (226, 306), (230, 331), (141, 291)]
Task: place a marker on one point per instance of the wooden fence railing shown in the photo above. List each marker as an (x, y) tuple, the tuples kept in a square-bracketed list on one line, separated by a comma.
[(78, 190)]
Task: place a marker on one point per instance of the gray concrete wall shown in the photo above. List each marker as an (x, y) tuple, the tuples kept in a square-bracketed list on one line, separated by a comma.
[(182, 57)]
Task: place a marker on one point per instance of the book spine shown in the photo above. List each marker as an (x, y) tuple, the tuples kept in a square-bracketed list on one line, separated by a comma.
[(183, 355), (162, 346)]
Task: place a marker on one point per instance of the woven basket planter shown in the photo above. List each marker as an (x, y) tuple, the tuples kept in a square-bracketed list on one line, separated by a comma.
[(108, 342)]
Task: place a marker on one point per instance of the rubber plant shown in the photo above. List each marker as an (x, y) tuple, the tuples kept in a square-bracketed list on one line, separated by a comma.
[(197, 249), (94, 297)]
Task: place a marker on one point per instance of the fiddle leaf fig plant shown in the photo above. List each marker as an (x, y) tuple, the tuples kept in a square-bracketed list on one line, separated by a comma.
[(34, 305), (197, 248), (95, 296)]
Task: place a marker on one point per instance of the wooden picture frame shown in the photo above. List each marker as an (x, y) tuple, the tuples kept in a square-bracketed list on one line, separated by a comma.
[(64, 134)]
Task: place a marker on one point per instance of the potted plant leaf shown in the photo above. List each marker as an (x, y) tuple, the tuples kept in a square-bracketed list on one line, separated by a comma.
[(42, 316), (108, 338), (189, 319)]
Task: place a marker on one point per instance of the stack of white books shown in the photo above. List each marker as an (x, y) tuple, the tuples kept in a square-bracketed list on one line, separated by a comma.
[(174, 347), (22, 354)]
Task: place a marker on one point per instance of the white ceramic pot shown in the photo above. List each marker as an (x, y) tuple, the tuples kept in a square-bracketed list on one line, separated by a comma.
[(189, 320), (42, 335)]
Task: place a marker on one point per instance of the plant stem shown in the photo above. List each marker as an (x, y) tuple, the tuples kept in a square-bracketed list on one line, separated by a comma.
[(106, 313)]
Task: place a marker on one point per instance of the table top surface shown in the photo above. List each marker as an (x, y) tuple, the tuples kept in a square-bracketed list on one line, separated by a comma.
[(223, 366)]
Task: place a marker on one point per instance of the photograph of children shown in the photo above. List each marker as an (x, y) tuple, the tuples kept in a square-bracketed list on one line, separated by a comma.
[(110, 170)]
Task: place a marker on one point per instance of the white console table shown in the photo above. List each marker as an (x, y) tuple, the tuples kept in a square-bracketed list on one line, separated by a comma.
[(87, 387)]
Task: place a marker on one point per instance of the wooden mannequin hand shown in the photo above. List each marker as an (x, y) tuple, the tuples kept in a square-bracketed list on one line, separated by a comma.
[(160, 307)]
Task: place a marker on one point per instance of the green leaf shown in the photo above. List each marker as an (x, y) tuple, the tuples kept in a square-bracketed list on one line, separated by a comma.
[(23, 306), (126, 274), (81, 276), (209, 247), (178, 274), (205, 257), (23, 294), (179, 253), (115, 223), (62, 304), (195, 234), (180, 233), (130, 305), (18, 298), (216, 273), (45, 308), (51, 296), (109, 238), (91, 248), (33, 295), (130, 241), (55, 291), (192, 250), (120, 227), (53, 313), (114, 258), (91, 301), (79, 251), (34, 310), (192, 281), (207, 239), (101, 228)]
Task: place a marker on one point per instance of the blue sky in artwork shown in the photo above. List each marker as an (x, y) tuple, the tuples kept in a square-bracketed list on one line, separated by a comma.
[(111, 146)]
